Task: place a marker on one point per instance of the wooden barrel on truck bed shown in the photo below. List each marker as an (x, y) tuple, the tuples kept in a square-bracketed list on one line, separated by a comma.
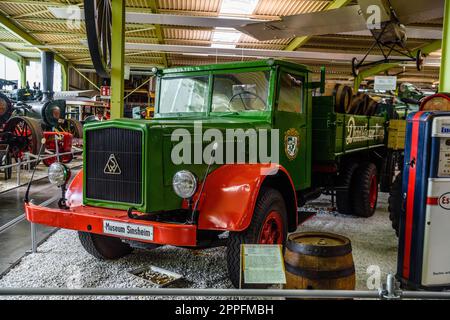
[(320, 261), (343, 96)]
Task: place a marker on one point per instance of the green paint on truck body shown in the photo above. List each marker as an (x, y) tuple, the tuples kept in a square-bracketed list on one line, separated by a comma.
[(340, 134), (318, 141)]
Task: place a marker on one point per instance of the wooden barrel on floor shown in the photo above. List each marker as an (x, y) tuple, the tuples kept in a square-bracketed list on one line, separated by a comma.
[(319, 261)]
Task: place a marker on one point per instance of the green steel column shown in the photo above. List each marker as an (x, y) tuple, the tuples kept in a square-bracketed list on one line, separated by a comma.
[(23, 72), (64, 76), (444, 85), (117, 58)]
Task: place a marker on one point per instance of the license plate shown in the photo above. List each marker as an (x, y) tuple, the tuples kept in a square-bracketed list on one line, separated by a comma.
[(128, 230)]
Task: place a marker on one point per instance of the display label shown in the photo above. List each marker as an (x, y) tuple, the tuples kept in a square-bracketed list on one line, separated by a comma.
[(128, 230), (262, 264), (444, 158), (385, 83)]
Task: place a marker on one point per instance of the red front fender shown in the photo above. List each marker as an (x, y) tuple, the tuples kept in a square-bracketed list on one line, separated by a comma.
[(230, 194), (74, 194)]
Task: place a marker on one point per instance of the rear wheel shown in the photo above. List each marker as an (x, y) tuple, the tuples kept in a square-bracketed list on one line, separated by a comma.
[(396, 203), (103, 247), (343, 195), (365, 190), (25, 136), (74, 127), (268, 226)]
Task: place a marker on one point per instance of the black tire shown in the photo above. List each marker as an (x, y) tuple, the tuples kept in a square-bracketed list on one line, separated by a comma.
[(99, 40), (396, 203), (387, 172), (361, 190), (103, 247), (343, 197), (268, 200)]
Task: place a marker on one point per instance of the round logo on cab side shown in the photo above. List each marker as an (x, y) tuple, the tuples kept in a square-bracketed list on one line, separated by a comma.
[(444, 201), (291, 143)]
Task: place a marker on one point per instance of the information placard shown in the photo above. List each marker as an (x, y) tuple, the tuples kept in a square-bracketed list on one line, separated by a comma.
[(262, 264), (385, 83)]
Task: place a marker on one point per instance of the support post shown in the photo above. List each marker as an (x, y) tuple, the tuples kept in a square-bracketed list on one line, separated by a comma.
[(444, 83), (117, 58), (65, 77), (23, 72)]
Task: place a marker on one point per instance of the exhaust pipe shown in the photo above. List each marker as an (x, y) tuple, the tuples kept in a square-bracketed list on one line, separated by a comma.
[(48, 67)]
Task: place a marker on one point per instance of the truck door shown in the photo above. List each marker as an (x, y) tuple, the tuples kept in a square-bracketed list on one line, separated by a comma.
[(291, 120)]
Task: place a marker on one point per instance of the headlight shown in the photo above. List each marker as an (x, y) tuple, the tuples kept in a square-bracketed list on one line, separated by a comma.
[(58, 174), (184, 184)]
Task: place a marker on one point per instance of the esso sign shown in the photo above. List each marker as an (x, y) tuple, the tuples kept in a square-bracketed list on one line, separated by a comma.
[(444, 201)]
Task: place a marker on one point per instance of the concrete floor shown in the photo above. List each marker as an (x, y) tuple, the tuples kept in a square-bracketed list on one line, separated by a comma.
[(15, 242)]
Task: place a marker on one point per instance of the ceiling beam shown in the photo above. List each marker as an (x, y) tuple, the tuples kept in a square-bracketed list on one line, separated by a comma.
[(299, 41), (241, 52), (31, 3), (12, 27), (413, 32), (10, 54)]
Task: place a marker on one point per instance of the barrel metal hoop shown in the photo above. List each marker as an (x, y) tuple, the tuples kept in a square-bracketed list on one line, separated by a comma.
[(320, 275), (319, 251)]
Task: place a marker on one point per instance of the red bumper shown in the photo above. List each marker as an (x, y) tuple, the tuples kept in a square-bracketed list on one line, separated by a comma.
[(91, 219)]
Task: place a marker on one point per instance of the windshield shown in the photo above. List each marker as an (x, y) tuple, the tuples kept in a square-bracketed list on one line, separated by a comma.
[(240, 92), (179, 95), (237, 92)]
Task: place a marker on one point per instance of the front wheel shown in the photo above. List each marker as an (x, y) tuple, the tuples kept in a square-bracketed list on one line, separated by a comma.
[(103, 247), (268, 226)]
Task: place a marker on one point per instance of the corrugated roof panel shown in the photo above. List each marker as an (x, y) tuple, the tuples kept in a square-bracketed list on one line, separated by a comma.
[(187, 33), (247, 39), (288, 7), (190, 5)]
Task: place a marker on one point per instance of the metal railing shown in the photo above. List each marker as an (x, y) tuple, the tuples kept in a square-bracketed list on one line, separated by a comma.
[(31, 158), (18, 165), (388, 291)]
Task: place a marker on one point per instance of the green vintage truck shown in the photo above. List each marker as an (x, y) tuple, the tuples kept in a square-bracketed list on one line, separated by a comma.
[(165, 181)]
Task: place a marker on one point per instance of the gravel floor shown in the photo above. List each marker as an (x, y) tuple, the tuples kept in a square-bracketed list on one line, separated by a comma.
[(62, 262)]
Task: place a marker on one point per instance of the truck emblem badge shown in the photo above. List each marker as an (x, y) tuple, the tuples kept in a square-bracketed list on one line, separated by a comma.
[(112, 166), (291, 143)]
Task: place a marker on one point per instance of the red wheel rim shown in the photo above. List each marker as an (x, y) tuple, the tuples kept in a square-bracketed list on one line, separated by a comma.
[(22, 132), (373, 192), (272, 229)]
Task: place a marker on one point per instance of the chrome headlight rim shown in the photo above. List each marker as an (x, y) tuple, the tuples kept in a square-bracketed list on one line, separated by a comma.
[(187, 176), (58, 174)]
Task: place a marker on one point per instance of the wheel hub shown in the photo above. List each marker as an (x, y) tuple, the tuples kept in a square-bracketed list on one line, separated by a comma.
[(272, 229)]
